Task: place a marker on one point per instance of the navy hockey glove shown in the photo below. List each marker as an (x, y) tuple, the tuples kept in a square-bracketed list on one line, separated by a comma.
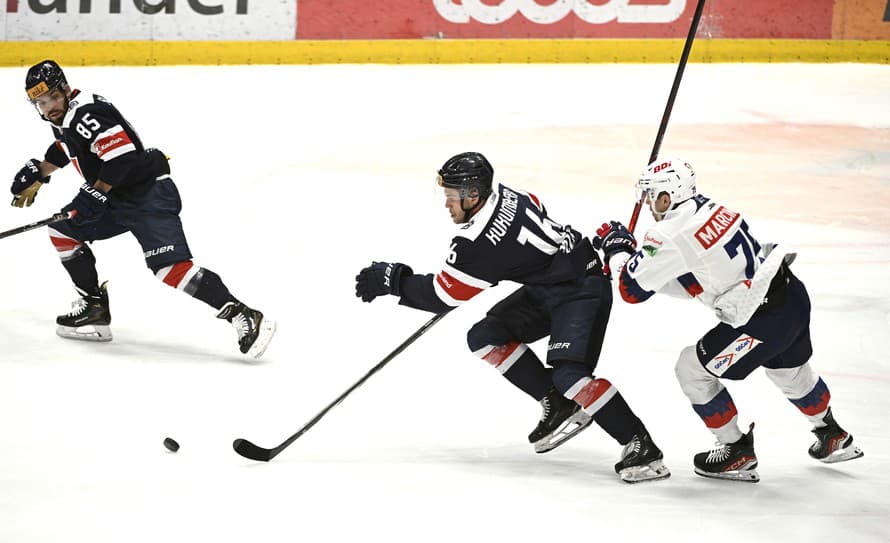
[(380, 278), (613, 238), (26, 183), (89, 204)]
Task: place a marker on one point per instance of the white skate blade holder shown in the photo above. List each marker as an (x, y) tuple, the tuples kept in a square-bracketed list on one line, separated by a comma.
[(742, 475), (89, 332), (650, 472), (572, 426), (267, 330), (841, 455)]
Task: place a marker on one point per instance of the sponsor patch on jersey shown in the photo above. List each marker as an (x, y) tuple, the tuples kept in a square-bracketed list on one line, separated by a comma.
[(650, 249), (714, 228), (735, 351)]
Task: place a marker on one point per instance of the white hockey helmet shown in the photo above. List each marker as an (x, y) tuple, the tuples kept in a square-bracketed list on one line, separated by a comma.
[(672, 175)]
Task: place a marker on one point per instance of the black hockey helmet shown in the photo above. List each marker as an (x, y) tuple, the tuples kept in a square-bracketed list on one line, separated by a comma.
[(468, 172), (43, 78)]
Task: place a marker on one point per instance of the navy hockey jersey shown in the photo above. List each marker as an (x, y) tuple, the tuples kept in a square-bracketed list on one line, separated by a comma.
[(102, 145), (510, 239)]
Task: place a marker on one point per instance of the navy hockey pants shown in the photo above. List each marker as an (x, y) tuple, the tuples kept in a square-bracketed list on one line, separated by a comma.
[(776, 337), (574, 315), (153, 221)]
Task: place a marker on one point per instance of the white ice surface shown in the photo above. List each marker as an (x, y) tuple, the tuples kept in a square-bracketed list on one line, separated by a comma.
[(295, 177)]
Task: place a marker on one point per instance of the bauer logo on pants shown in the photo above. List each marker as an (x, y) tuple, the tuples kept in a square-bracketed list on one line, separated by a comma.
[(734, 352)]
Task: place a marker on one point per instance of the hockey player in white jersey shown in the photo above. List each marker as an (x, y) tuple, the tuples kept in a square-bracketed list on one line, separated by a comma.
[(701, 249)]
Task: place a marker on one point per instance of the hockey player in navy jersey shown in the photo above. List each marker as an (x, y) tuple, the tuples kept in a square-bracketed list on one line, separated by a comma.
[(126, 188), (698, 248), (506, 235)]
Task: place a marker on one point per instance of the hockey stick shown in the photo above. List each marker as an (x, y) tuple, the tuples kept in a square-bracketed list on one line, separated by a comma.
[(670, 105), (58, 217), (254, 452)]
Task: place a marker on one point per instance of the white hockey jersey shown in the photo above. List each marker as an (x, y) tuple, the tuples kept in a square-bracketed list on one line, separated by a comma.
[(702, 250)]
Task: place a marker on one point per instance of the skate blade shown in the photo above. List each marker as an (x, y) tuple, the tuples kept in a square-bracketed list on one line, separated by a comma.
[(742, 476), (842, 455), (267, 330), (650, 472), (90, 332), (572, 426)]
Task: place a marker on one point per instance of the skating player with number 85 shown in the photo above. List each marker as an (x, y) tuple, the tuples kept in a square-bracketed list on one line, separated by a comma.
[(126, 188), (507, 235), (698, 248)]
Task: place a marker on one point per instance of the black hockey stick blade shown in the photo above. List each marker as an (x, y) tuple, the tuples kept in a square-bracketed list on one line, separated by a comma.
[(254, 452)]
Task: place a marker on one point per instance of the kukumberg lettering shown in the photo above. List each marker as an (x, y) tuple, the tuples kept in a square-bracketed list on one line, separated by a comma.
[(114, 6), (506, 214)]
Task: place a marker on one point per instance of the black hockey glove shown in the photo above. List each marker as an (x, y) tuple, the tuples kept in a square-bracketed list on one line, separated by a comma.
[(380, 278), (89, 204), (613, 238), (26, 183)]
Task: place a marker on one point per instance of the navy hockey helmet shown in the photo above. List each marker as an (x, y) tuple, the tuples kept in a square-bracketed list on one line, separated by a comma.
[(43, 78), (470, 173)]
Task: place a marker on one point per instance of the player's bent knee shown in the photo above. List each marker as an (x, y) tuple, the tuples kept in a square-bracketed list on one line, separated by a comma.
[(66, 245), (694, 379), (179, 275), (793, 382), (488, 331)]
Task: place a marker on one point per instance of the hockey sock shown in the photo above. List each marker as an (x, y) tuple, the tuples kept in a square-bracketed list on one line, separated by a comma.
[(815, 404), (197, 282), (720, 416), (599, 398), (804, 389), (81, 267), (520, 365)]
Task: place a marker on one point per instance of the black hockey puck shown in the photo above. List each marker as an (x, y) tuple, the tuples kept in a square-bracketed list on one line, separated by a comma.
[(171, 444)]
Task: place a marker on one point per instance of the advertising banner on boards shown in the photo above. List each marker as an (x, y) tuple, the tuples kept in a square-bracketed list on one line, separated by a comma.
[(162, 20)]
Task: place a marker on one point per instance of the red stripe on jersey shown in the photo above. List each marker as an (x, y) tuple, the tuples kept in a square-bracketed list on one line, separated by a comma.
[(175, 275), (535, 200), (76, 165), (64, 244), (497, 355), (112, 142), (456, 289), (591, 392)]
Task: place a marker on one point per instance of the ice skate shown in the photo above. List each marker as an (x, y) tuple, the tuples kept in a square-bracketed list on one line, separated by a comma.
[(735, 461), (254, 331), (89, 318), (562, 420), (641, 460), (833, 444)]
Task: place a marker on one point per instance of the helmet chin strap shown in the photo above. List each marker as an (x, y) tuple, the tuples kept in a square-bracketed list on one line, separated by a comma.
[(657, 214)]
